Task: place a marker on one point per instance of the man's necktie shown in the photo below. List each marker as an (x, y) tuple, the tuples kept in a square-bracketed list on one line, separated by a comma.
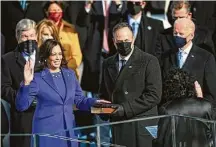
[(23, 4), (135, 28), (180, 59), (123, 62), (106, 20)]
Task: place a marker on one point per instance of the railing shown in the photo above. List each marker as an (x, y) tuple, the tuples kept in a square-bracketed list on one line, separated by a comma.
[(178, 130)]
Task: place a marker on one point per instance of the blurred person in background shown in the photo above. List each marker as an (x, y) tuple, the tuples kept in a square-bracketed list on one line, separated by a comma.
[(68, 36), (46, 29), (12, 12), (97, 16), (12, 66), (145, 29), (183, 96)]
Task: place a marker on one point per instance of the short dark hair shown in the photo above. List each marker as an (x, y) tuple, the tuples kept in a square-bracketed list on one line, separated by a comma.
[(178, 84), (46, 50), (120, 26), (177, 5), (61, 4)]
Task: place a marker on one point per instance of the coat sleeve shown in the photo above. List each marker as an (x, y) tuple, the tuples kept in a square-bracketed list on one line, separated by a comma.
[(103, 94), (151, 95), (8, 93), (26, 94), (82, 102), (209, 88)]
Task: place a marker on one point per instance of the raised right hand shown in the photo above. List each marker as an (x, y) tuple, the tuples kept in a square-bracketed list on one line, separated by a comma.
[(28, 72)]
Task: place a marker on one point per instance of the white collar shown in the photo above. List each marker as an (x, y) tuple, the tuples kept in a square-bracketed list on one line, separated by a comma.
[(187, 50), (132, 20)]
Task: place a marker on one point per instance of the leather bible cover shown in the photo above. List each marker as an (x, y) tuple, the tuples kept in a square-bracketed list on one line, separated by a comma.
[(102, 110)]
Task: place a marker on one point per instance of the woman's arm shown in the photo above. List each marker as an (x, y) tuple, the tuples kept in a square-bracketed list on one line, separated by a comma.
[(25, 96), (28, 88)]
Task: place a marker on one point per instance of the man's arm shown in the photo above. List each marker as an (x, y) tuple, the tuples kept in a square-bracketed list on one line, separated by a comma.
[(8, 93), (209, 87), (103, 94), (151, 94)]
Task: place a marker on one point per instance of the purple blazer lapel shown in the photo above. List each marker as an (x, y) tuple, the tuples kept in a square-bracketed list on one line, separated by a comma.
[(68, 78), (47, 77)]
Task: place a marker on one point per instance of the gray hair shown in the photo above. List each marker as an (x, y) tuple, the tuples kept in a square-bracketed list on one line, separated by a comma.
[(24, 25)]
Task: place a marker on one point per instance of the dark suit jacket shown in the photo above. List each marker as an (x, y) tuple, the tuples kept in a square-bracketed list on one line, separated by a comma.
[(148, 32), (137, 88), (166, 41), (12, 13), (199, 63), (191, 132), (2, 44), (12, 67), (94, 21)]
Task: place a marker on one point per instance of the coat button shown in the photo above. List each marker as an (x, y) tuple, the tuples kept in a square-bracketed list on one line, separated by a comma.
[(126, 92)]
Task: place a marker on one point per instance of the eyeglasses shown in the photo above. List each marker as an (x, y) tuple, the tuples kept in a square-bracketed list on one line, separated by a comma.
[(135, 3)]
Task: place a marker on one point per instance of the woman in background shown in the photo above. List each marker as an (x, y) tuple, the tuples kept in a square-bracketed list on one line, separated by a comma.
[(46, 29), (56, 89), (67, 34)]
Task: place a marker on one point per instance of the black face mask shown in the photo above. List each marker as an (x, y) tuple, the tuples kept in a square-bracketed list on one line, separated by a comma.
[(133, 9), (124, 48), (28, 46)]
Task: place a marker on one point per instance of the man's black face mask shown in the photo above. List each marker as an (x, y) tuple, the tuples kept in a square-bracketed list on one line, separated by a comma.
[(124, 48), (134, 9), (28, 46)]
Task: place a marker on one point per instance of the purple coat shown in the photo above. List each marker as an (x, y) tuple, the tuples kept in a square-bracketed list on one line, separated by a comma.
[(53, 113)]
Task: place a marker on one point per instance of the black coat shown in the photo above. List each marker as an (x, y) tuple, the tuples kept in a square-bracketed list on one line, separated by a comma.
[(138, 89), (199, 63), (148, 32), (12, 68), (188, 131), (12, 13), (92, 51)]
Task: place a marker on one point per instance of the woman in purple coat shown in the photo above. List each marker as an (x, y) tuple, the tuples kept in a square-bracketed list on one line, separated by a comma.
[(56, 89)]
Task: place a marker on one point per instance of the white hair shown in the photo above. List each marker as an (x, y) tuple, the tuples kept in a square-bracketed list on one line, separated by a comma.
[(24, 25)]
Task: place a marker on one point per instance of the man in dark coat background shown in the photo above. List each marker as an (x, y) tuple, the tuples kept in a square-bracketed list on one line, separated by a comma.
[(92, 17), (145, 29), (12, 74), (12, 12), (131, 79)]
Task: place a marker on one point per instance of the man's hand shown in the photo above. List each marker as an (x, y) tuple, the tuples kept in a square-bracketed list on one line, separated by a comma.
[(119, 110)]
